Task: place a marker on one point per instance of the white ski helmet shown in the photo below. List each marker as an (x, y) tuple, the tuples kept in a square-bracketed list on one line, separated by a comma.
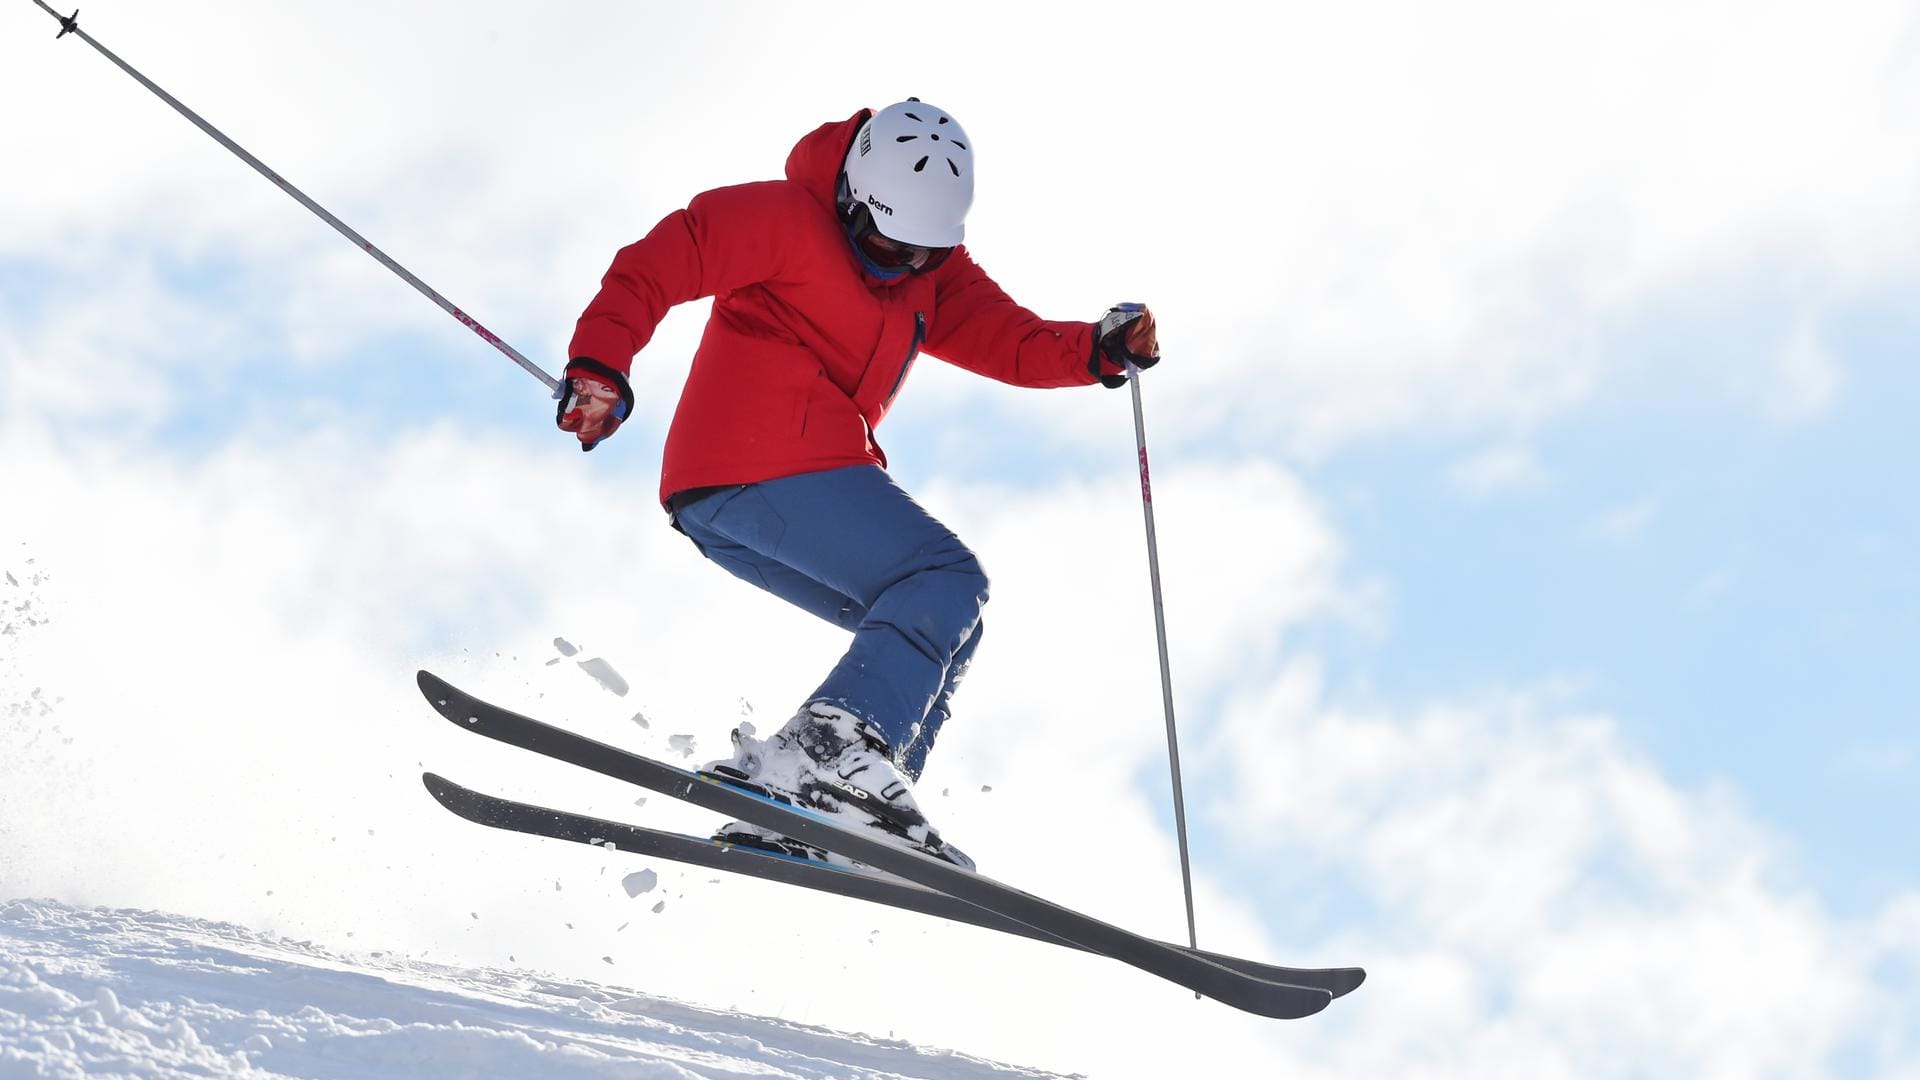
[(911, 166)]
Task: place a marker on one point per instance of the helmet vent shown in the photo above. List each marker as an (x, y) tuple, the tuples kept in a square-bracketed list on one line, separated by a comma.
[(905, 138), (955, 168), (919, 165)]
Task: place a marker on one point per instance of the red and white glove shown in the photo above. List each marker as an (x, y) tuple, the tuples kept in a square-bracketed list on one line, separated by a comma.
[(594, 399), (1126, 334)]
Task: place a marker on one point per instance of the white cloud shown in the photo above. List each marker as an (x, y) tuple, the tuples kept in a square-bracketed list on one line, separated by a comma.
[(1625, 523), (1806, 378), (1348, 233), (1584, 915), (1876, 761), (1497, 470), (1710, 587)]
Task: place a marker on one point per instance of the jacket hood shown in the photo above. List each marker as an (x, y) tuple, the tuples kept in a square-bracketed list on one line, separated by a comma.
[(817, 158)]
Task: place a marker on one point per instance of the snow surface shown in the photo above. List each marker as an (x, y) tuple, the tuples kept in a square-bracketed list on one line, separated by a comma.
[(140, 994)]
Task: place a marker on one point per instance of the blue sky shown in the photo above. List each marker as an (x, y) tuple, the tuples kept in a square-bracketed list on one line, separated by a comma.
[(1740, 594), (1530, 457)]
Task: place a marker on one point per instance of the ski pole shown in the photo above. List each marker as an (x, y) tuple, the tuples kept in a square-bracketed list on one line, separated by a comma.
[(1160, 627), (70, 24)]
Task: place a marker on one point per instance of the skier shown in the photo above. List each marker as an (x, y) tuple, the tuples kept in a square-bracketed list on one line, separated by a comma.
[(826, 286)]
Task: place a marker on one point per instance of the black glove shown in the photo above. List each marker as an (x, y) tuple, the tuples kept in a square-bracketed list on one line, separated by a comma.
[(1125, 335)]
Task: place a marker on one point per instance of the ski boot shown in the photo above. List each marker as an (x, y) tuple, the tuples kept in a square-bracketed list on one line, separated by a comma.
[(829, 760)]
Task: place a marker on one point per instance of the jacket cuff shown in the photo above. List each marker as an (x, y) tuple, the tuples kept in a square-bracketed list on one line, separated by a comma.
[(1111, 374), (603, 338)]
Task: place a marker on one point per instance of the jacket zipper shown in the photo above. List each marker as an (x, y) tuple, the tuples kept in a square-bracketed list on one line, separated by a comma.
[(919, 336)]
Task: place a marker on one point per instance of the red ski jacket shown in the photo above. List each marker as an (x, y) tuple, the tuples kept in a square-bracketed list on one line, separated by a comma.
[(804, 351)]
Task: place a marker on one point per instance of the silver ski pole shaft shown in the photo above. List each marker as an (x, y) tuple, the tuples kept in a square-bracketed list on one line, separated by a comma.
[(1160, 627), (69, 24)]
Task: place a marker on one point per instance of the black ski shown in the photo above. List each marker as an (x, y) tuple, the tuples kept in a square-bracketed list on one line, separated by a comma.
[(860, 884), (1197, 973)]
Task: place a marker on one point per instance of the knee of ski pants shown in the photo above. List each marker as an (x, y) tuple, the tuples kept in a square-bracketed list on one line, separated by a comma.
[(948, 596)]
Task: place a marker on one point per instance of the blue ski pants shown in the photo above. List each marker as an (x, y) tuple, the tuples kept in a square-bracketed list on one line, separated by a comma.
[(853, 548)]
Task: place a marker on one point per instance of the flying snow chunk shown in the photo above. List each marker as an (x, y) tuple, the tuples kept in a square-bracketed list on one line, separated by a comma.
[(639, 882), (641, 719), (604, 673), (682, 743), (567, 648)]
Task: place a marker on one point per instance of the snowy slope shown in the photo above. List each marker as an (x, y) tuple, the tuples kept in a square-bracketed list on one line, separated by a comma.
[(97, 993)]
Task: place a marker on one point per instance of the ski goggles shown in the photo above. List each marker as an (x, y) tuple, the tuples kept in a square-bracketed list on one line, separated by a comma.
[(894, 256), (890, 256)]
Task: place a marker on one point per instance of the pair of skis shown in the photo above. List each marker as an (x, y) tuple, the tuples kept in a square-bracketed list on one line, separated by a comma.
[(890, 874)]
